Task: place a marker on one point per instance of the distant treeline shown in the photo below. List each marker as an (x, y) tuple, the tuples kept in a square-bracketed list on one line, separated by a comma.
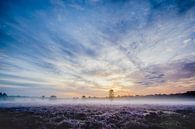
[(3, 94), (186, 94)]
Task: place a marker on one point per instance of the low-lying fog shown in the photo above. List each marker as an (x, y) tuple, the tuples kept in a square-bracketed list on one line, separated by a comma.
[(19, 101)]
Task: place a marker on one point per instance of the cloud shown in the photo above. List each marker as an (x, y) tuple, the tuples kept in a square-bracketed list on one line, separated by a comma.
[(163, 73), (89, 47)]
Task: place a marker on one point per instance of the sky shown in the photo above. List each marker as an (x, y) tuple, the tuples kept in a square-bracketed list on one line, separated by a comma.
[(71, 48)]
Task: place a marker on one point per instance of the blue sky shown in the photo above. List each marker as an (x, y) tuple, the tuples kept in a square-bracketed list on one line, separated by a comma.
[(86, 47)]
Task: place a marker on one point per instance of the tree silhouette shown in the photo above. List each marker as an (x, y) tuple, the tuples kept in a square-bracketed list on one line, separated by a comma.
[(3, 94), (83, 97), (111, 93)]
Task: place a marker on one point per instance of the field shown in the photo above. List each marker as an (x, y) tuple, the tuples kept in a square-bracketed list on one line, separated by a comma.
[(98, 116)]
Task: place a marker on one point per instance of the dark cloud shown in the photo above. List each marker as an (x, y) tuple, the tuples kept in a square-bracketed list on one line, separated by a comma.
[(190, 67), (172, 72)]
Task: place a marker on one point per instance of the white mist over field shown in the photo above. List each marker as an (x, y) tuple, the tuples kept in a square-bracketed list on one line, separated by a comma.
[(27, 102)]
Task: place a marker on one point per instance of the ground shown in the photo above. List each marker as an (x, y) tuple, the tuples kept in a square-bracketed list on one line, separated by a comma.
[(98, 117)]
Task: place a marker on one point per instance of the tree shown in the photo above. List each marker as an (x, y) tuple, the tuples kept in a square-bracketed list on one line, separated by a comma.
[(111, 93), (4, 95)]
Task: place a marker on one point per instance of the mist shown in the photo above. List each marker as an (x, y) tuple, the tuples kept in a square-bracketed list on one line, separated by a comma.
[(28, 102)]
